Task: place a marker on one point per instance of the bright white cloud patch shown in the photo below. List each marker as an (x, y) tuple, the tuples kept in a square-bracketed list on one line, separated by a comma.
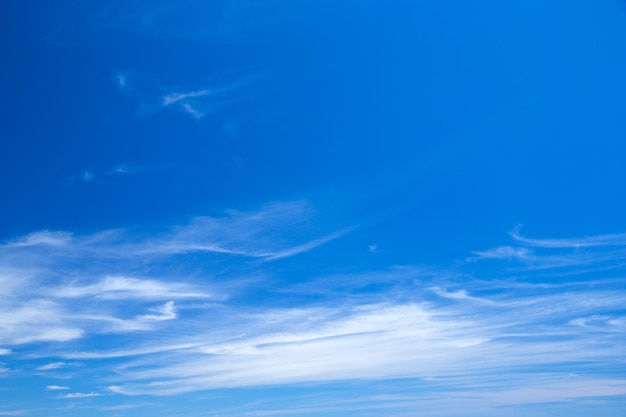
[(56, 388)]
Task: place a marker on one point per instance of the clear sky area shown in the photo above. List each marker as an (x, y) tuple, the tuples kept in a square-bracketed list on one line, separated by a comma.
[(248, 208)]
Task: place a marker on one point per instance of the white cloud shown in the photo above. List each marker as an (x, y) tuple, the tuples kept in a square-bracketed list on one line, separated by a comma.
[(305, 247), (160, 348), (194, 112), (56, 388), (274, 232), (190, 102), (502, 252), (173, 98), (617, 239), (80, 395), (461, 295), (430, 325), (57, 365), (165, 312), (43, 238), (395, 341), (119, 288), (200, 102), (597, 252), (402, 399), (4, 352), (36, 321), (263, 234), (49, 280)]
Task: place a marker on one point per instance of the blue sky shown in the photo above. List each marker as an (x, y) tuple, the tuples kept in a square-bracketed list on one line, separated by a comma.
[(317, 208)]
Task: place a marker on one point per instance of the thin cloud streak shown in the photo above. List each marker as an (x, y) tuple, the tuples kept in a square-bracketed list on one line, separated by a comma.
[(305, 247), (42, 238), (176, 97), (119, 288), (501, 252), (57, 365), (602, 252), (56, 388), (260, 234), (196, 102), (80, 395), (617, 239)]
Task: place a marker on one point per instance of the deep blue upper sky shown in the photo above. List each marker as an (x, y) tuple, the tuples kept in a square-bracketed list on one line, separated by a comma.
[(247, 207)]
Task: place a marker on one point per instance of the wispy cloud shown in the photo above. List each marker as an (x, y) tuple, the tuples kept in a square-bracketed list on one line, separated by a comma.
[(203, 101), (396, 340), (197, 99), (119, 288), (617, 239), (53, 277), (56, 388), (173, 98), (4, 352), (165, 312), (479, 332), (130, 352), (73, 395), (36, 320), (189, 103), (261, 234), (554, 393), (598, 252), (502, 252), (57, 365), (43, 238)]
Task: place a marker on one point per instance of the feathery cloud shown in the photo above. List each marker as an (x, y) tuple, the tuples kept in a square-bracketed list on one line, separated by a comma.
[(51, 274), (444, 329)]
